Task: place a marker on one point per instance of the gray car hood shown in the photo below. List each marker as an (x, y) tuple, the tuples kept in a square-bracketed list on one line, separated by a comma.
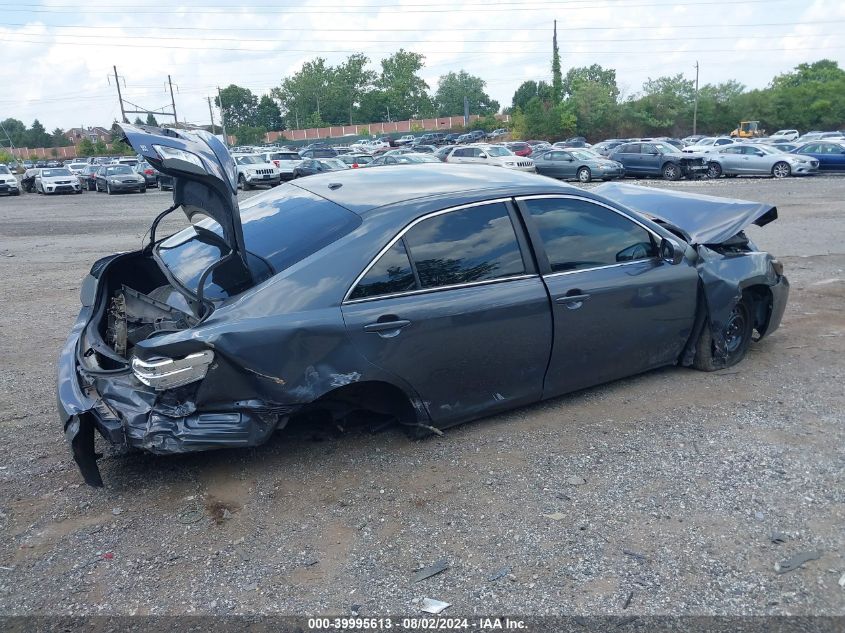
[(705, 219)]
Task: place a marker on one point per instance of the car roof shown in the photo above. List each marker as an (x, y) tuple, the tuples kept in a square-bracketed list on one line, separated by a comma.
[(365, 190)]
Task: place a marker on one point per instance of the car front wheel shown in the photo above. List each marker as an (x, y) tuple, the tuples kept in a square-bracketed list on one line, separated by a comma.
[(781, 170), (584, 175), (737, 338), (108, 189), (671, 171)]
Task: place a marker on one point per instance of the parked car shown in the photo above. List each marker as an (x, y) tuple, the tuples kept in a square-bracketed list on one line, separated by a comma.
[(408, 139), (658, 159), (56, 180), (76, 167), (452, 138), (318, 152), (40, 164), (149, 173), (54, 164), (784, 135), (831, 155), (708, 144), (577, 164), (312, 166), (28, 164), (87, 177), (165, 182), (119, 178), (433, 138), (430, 293), (495, 155), (285, 161), (356, 160), (409, 158), (746, 159), (605, 147), (28, 179), (255, 170), (784, 147), (693, 139), (9, 182), (520, 148), (424, 149), (498, 133), (443, 152)]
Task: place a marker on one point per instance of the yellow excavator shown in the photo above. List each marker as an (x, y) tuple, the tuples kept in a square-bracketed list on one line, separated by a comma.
[(748, 129)]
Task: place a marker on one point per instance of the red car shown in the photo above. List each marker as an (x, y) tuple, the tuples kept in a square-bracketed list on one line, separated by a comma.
[(520, 148)]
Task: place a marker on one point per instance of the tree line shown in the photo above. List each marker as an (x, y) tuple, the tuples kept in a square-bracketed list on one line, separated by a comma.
[(586, 101)]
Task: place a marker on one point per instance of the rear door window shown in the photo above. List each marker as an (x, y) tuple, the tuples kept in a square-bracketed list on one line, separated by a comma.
[(390, 274), (468, 245)]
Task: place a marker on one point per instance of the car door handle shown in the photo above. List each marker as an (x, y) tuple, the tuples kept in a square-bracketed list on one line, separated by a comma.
[(387, 326), (573, 300)]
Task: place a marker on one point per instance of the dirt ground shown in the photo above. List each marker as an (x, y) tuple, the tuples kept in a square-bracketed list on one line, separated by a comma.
[(657, 494)]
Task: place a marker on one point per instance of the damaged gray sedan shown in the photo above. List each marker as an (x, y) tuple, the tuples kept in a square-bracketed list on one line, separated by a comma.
[(433, 294)]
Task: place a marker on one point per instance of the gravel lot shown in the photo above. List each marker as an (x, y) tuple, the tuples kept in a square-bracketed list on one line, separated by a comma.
[(659, 491)]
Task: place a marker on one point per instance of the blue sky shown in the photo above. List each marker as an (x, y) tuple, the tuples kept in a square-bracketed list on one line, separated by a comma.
[(58, 55)]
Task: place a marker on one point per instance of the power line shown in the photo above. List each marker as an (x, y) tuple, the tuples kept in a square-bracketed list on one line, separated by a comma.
[(444, 29), (372, 9)]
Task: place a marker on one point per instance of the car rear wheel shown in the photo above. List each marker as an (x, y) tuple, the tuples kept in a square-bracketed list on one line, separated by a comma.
[(737, 338), (143, 189), (781, 170), (671, 171), (714, 170), (584, 175)]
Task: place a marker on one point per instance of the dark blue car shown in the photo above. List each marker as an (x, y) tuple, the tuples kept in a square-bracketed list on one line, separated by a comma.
[(431, 293), (830, 154)]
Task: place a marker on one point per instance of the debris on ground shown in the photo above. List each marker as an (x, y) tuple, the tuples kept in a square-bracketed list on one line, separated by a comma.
[(778, 538), (633, 554), (576, 481), (189, 514), (555, 516), (430, 605), (628, 600), (504, 571), (842, 581), (431, 570), (796, 561)]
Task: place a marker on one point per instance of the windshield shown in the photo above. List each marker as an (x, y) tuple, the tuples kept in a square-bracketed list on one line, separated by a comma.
[(498, 151), (290, 156), (280, 229), (333, 163), (416, 158), (117, 170), (665, 148), (51, 173), (249, 160), (4, 170), (582, 155), (706, 141)]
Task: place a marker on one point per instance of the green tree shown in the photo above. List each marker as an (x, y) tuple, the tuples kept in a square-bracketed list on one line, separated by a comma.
[(307, 93), (239, 105), (542, 119), (406, 92), (353, 81), (453, 87), (138, 121), (119, 148), (664, 107), (37, 136), (557, 82), (812, 96), (16, 131), (85, 147), (268, 115), (530, 89), (592, 95), (100, 148), (720, 106), (58, 138), (151, 120), (250, 134)]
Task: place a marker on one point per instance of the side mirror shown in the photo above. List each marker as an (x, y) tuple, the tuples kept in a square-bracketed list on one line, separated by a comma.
[(759, 153), (671, 252), (482, 155)]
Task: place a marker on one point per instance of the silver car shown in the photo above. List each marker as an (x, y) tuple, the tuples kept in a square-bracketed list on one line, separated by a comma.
[(747, 159)]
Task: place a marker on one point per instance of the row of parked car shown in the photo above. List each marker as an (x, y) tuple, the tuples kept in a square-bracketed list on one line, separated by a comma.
[(103, 174)]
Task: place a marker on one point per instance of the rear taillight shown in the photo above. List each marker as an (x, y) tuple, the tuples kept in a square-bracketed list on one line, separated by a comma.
[(149, 172), (354, 165)]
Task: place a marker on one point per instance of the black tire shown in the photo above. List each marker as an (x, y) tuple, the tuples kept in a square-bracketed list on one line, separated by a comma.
[(108, 189), (714, 170), (584, 174), (781, 169), (671, 171), (243, 183), (17, 193), (142, 190), (738, 333)]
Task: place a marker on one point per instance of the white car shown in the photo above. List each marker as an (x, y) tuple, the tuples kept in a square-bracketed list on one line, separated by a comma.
[(784, 136), (370, 147), (76, 168), (708, 144), (9, 182), (254, 170), (56, 180), (495, 155), (285, 161), (406, 140)]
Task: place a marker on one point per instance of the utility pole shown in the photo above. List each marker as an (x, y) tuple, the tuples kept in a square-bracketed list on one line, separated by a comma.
[(172, 101), (222, 118), (695, 103), (119, 96), (211, 112)]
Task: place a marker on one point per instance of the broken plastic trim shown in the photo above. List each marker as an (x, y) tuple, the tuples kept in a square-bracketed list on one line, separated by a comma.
[(168, 373)]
